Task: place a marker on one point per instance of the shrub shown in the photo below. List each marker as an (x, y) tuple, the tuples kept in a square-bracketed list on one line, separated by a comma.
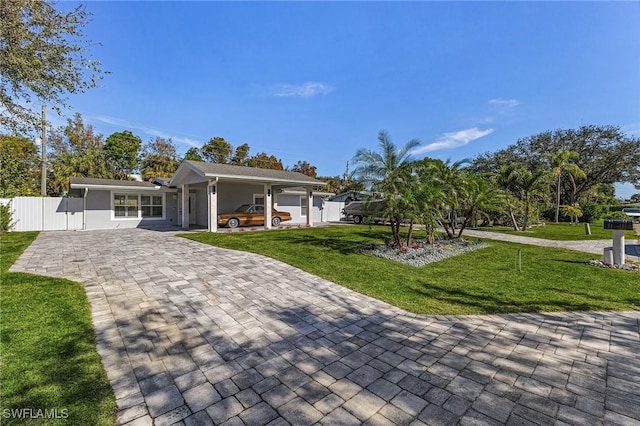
[(6, 218), (617, 215), (592, 212)]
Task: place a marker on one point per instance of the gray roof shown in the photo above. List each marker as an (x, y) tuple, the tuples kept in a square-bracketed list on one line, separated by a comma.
[(109, 182), (214, 169)]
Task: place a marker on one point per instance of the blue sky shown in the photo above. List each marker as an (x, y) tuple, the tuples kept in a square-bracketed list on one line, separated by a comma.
[(315, 81)]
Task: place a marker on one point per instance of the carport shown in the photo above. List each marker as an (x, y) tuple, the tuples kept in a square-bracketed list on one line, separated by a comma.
[(225, 185)]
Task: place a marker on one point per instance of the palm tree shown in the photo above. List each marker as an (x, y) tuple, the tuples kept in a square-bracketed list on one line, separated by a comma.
[(531, 184), (524, 185), (479, 196), (506, 179), (450, 177), (374, 167), (561, 162)]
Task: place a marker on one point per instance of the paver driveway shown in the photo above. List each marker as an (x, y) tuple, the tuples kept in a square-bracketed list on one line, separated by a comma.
[(199, 335)]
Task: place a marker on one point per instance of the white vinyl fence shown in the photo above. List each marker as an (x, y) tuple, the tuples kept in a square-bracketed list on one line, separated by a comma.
[(45, 213), (332, 211)]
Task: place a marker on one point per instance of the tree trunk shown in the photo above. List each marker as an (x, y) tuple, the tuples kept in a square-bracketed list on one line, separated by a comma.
[(514, 221), (467, 219), (395, 231), (410, 234), (526, 214)]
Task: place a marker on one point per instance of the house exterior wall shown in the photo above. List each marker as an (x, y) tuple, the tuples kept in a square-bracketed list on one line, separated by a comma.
[(99, 211), (291, 203)]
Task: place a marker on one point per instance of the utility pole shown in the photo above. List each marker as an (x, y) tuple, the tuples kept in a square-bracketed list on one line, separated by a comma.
[(44, 152)]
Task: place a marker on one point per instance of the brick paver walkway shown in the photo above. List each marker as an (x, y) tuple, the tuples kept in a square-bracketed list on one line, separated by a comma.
[(196, 335)]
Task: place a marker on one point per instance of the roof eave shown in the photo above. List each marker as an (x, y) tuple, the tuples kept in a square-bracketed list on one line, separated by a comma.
[(264, 179), (115, 187)]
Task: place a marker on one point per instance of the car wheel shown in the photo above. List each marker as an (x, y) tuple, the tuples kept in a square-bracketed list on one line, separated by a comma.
[(275, 221), (357, 219), (233, 223)]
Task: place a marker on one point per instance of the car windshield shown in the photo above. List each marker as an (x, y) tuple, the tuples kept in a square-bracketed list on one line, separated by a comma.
[(245, 208)]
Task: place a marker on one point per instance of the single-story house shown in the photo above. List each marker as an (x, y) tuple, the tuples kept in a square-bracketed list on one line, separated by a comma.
[(211, 188)]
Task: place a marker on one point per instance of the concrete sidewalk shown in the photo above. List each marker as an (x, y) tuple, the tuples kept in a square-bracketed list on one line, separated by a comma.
[(196, 335)]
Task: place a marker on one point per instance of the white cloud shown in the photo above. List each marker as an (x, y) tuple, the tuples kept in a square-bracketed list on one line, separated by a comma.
[(145, 129), (454, 140), (504, 103), (631, 129), (305, 90)]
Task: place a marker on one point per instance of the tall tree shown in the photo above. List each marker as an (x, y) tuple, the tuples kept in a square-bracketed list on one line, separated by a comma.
[(193, 154), (606, 155), (123, 153), (217, 150), (159, 159), (305, 168), (75, 137), (43, 57), (562, 163), (263, 160), (19, 167), (373, 167), (76, 151), (241, 154)]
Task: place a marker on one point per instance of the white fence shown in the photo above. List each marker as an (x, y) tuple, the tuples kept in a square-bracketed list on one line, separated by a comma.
[(45, 213), (332, 211)]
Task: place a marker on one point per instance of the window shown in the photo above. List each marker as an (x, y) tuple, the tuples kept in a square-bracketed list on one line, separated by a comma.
[(125, 205), (258, 199), (303, 206), (136, 206), (151, 205)]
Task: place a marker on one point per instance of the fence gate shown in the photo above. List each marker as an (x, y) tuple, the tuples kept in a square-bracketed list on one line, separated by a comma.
[(46, 213)]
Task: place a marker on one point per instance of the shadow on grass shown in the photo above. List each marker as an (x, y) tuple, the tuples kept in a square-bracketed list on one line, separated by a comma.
[(490, 304)]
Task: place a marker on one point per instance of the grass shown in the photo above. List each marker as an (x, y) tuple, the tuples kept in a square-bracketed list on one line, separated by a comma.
[(479, 282), (48, 349), (564, 232)]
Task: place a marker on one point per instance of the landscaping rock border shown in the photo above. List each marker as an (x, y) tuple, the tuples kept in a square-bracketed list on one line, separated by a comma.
[(421, 253)]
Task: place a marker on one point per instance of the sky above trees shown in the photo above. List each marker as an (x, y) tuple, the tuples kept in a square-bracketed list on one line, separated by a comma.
[(316, 81)]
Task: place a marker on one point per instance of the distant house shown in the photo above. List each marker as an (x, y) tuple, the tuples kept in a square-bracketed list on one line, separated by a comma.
[(211, 188)]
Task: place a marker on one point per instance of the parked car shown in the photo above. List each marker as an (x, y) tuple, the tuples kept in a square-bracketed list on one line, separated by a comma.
[(250, 214)]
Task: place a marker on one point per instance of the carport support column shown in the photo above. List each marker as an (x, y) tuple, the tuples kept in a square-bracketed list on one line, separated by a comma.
[(213, 205), (185, 206), (309, 206), (268, 205)]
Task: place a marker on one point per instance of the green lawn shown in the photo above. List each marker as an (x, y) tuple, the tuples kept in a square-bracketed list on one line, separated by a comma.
[(48, 349), (563, 232), (483, 281)]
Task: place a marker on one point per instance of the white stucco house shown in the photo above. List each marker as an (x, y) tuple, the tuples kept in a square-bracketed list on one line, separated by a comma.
[(195, 195)]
